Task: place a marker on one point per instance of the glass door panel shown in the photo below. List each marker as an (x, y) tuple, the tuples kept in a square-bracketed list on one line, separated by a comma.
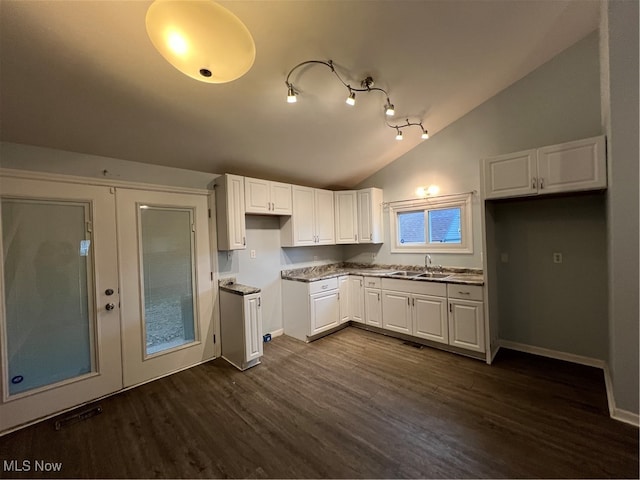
[(166, 244), (47, 272)]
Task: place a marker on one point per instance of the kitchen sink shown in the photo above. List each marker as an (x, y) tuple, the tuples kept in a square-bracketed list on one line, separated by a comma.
[(405, 273), (434, 275)]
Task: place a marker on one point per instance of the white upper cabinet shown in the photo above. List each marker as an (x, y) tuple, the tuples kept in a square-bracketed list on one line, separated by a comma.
[(312, 218), (346, 203), (571, 166), (579, 165), (266, 197), (359, 216), (230, 211), (370, 215)]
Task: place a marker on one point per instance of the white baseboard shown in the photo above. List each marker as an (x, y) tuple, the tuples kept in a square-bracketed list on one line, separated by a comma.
[(614, 412), (277, 333), (546, 352)]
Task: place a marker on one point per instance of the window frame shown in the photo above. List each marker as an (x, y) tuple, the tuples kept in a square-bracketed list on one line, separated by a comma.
[(463, 202)]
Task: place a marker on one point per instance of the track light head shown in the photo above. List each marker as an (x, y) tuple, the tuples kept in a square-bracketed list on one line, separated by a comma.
[(398, 134), (389, 109), (424, 135), (291, 95), (351, 100)]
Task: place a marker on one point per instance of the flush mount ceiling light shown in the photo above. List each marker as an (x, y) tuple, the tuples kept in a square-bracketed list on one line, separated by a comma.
[(367, 85), (200, 38)]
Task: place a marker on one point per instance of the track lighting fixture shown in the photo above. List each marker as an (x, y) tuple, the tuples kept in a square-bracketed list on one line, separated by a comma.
[(367, 85)]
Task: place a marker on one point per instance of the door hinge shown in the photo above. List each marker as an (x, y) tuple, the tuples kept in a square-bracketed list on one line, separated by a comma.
[(90, 227)]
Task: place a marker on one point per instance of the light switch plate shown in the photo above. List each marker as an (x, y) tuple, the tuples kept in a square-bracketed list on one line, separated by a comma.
[(557, 257), (253, 254)]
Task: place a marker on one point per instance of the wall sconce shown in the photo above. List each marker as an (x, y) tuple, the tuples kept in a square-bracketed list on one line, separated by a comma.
[(200, 38), (366, 85), (429, 191)]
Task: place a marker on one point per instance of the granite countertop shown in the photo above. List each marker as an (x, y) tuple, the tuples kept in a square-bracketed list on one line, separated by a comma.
[(468, 276), (230, 285)]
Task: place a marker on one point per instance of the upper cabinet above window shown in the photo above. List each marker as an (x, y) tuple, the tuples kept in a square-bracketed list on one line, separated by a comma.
[(571, 166)]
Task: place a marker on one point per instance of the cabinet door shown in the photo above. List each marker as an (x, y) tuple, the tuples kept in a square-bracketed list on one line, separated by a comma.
[(373, 307), (346, 216), (325, 311), (253, 326), (370, 215), (256, 195), (303, 217), (510, 175), (571, 166), (466, 325), (430, 318), (396, 311), (325, 228), (356, 299), (281, 201), (343, 287), (230, 210)]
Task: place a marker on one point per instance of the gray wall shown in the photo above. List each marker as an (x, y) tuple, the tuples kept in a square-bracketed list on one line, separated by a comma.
[(263, 236), (561, 307), (620, 117), (38, 159), (558, 102)]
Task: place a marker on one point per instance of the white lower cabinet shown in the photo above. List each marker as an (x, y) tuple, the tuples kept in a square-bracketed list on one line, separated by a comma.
[(310, 308), (466, 317), (343, 287), (396, 311), (415, 308), (241, 328), (372, 301), (356, 299), (430, 318)]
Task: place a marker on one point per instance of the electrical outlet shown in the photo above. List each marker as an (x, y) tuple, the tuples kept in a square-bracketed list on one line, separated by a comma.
[(557, 257), (253, 254)]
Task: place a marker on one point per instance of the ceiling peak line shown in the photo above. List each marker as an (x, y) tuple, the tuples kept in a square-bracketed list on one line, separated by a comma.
[(366, 85)]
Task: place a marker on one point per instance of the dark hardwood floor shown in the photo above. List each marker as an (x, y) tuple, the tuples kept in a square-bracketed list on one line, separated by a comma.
[(351, 405)]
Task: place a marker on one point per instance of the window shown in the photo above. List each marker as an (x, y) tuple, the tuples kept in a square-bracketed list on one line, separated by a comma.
[(433, 224)]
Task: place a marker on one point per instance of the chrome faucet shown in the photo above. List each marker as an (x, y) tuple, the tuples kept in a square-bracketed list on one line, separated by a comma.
[(427, 262)]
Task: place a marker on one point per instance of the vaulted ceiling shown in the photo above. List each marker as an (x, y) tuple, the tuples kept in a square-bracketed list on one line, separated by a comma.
[(83, 76)]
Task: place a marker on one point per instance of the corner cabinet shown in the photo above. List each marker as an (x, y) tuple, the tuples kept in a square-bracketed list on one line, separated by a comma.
[(241, 328), (230, 210), (312, 218), (571, 166), (267, 198)]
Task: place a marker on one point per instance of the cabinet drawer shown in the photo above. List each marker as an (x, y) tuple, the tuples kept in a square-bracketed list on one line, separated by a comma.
[(323, 285), (465, 292), (372, 282)]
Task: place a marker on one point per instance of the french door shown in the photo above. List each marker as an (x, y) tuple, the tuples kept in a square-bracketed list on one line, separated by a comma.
[(59, 322), (167, 309), (101, 289)]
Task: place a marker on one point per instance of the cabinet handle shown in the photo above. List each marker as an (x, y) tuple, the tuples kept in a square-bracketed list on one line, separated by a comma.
[(450, 308), (534, 183), (541, 183), (355, 237), (408, 301), (244, 241), (378, 297), (413, 302), (259, 301), (372, 284), (464, 293), (324, 287), (361, 283)]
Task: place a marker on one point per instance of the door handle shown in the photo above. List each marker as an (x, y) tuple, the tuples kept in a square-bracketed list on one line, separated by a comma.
[(109, 306)]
